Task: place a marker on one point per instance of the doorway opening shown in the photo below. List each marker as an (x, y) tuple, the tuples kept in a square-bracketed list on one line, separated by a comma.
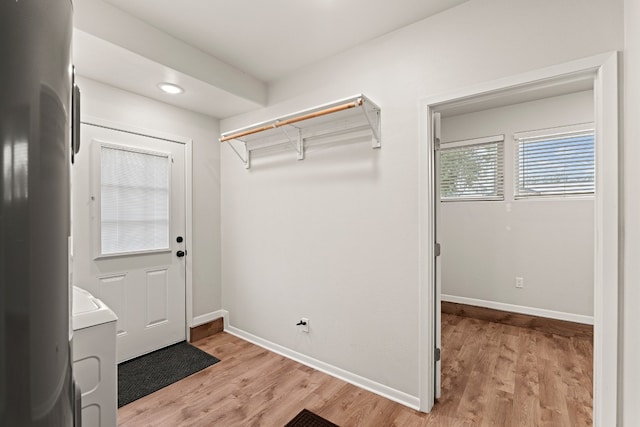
[(598, 74), (515, 224)]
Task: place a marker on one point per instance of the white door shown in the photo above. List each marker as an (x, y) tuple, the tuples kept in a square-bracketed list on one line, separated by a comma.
[(129, 228), (437, 262)]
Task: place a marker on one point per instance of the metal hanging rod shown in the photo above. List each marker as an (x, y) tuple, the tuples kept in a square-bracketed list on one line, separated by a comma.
[(357, 103)]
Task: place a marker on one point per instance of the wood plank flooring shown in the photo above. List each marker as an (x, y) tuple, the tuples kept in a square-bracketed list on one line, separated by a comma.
[(541, 324), (492, 375)]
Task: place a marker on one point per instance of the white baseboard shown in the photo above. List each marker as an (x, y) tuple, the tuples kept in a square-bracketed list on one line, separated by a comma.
[(209, 317), (532, 311), (364, 383)]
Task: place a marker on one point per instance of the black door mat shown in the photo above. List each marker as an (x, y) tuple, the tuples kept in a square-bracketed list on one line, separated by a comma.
[(148, 373), (306, 418)]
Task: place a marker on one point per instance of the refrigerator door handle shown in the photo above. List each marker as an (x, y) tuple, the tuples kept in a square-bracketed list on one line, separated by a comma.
[(78, 406), (75, 120)]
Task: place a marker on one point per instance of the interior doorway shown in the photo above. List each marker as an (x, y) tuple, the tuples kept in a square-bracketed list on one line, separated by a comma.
[(600, 74), (515, 223)]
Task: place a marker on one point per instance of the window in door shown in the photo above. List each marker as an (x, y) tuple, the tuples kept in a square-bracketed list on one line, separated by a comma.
[(134, 200)]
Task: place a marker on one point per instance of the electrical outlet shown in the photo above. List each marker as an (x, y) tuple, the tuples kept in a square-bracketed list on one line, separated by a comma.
[(519, 282), (303, 324)]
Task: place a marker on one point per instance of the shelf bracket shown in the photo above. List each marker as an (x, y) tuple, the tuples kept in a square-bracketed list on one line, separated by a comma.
[(375, 126), (296, 143), (246, 158), (300, 145)]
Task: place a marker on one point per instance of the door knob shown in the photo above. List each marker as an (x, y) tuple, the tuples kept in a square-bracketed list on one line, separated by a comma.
[(180, 254)]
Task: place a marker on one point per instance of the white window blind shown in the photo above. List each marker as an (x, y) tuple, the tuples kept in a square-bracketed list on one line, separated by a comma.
[(472, 169), (555, 162), (134, 201)]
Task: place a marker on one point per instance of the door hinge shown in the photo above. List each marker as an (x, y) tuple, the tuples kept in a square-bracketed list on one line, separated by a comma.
[(436, 144), (437, 354), (437, 249)]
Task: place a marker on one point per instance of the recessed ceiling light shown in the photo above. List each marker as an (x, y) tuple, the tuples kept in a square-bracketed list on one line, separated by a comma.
[(170, 88)]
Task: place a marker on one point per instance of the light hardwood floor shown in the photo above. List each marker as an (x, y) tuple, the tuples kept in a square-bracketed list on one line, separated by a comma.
[(492, 375)]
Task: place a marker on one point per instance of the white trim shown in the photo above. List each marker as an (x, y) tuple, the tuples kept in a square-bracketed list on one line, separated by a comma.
[(209, 317), (607, 263), (532, 311), (524, 82), (428, 316), (603, 70), (334, 371), (188, 153), (188, 266)]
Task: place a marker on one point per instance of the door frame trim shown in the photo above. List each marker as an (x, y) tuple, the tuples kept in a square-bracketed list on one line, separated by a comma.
[(188, 146), (603, 69)]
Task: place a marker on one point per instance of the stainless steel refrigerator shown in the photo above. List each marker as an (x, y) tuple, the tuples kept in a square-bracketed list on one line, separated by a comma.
[(36, 120)]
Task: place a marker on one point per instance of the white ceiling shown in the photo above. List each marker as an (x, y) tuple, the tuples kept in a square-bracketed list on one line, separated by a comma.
[(111, 64), (224, 53), (269, 39)]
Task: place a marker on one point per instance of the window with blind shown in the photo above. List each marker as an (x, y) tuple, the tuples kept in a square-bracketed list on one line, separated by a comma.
[(472, 169), (555, 162), (134, 204)]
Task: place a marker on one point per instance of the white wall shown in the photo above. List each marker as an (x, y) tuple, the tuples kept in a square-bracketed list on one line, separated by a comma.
[(547, 241), (335, 237), (108, 103), (631, 201)]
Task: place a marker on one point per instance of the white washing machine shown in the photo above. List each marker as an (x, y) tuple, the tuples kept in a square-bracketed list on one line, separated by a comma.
[(94, 359)]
